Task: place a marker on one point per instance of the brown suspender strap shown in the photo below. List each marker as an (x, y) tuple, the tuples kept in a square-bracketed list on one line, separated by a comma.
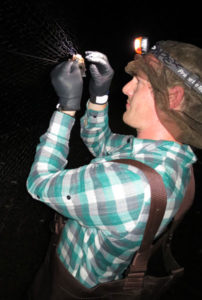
[(138, 266), (157, 210)]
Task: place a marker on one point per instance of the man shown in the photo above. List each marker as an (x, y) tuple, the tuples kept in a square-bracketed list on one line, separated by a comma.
[(107, 203)]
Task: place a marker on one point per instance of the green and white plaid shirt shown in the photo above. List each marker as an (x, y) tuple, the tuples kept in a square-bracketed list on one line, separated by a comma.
[(106, 203)]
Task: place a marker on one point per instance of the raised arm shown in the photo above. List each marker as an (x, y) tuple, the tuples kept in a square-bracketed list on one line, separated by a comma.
[(95, 131)]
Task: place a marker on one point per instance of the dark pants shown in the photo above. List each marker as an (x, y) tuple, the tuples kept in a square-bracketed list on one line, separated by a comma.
[(54, 282)]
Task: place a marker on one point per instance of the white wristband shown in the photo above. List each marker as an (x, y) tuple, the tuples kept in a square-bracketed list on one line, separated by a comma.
[(99, 99)]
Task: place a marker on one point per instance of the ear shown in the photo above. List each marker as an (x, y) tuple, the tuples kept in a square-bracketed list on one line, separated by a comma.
[(176, 96)]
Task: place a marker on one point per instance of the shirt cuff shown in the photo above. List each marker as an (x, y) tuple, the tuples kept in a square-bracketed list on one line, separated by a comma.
[(96, 117), (61, 124)]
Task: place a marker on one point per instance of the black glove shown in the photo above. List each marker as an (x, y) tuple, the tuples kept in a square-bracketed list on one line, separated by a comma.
[(68, 84), (102, 74)]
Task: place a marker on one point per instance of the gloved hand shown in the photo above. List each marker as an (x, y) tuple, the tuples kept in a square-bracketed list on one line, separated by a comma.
[(102, 74), (68, 83)]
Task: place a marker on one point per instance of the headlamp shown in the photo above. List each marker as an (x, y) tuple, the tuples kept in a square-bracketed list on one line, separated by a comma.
[(190, 79), (141, 45)]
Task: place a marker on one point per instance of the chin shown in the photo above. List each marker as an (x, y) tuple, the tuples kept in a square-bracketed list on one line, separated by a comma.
[(128, 121), (125, 119)]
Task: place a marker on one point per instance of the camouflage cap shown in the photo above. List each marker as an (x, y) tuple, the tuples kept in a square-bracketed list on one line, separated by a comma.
[(185, 124)]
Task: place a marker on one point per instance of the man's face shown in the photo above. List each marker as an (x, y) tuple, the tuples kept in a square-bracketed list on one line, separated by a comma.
[(140, 108)]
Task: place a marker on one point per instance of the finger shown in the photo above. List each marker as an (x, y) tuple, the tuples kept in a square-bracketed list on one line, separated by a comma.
[(63, 67), (94, 56), (75, 66), (102, 65), (93, 70), (70, 67), (75, 70), (67, 66), (94, 52)]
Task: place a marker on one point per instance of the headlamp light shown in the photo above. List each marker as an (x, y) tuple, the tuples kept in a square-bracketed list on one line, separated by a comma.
[(141, 46)]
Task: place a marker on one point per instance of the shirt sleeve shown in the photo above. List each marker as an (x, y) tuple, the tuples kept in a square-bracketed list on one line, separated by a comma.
[(105, 195), (98, 137)]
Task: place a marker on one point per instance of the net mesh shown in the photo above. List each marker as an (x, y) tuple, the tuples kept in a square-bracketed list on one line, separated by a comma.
[(31, 43)]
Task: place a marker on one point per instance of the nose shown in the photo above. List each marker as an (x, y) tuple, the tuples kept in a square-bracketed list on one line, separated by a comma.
[(127, 88)]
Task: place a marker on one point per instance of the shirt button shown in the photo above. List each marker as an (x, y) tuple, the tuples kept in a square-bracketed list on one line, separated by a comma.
[(68, 197)]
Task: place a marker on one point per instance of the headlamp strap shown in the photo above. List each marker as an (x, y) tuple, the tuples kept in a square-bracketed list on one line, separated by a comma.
[(192, 80)]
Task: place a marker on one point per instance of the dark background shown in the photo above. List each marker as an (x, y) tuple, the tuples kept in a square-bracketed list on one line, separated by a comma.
[(28, 100)]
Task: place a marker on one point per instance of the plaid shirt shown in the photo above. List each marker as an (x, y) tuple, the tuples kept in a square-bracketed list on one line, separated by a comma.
[(106, 203)]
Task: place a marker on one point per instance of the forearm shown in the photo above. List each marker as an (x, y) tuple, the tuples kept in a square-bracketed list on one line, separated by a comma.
[(71, 113), (95, 129), (51, 154), (96, 133), (96, 107)]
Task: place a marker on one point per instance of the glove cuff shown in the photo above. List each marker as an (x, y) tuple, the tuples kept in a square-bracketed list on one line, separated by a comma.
[(60, 107), (70, 104), (100, 100)]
